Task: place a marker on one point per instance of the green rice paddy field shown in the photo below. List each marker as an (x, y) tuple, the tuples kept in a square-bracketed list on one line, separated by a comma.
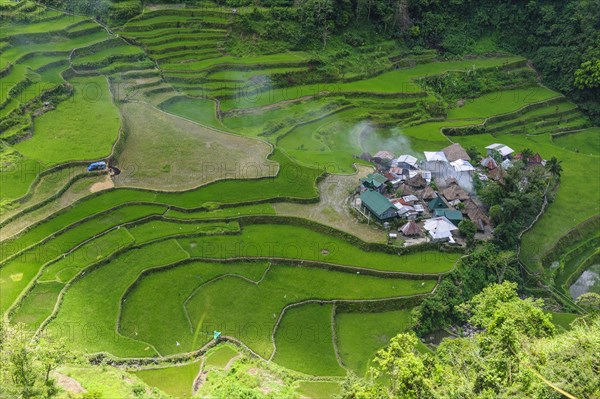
[(161, 256)]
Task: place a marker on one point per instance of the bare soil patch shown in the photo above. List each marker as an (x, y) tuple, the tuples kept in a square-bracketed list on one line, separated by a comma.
[(333, 209), (168, 153)]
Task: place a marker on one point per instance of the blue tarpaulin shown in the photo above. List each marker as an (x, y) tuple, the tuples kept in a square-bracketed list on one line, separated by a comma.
[(100, 165)]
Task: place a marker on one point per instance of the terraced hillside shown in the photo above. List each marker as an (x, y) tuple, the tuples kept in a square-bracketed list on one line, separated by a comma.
[(207, 228)]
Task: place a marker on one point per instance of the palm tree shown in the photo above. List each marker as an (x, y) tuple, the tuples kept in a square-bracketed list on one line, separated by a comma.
[(554, 167)]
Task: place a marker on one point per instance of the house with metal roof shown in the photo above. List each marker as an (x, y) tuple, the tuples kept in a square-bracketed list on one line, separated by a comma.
[(406, 161), (440, 229), (452, 215), (381, 207), (436, 203), (504, 150), (374, 181)]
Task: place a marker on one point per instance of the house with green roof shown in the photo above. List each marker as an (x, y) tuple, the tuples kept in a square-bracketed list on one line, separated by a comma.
[(374, 181), (437, 203), (381, 207), (452, 215)]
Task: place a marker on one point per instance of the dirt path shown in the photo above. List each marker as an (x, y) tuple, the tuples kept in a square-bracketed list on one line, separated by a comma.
[(333, 208), (69, 384), (102, 185), (231, 361)]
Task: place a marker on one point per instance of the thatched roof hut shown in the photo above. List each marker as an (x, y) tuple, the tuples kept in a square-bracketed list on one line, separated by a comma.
[(455, 192), (417, 181), (410, 229), (477, 216), (455, 152), (428, 194)]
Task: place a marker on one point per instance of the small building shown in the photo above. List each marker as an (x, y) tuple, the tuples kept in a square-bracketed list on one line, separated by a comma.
[(440, 229), (452, 215), (461, 166), (504, 150), (410, 199), (454, 152), (410, 229), (383, 155), (455, 192), (428, 194), (534, 160), (374, 181), (476, 215), (437, 203), (489, 163), (417, 181), (406, 162), (393, 179), (381, 207), (435, 156)]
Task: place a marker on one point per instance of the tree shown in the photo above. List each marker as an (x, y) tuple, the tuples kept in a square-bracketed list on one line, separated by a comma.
[(588, 75), (26, 363), (526, 154), (467, 229), (401, 364), (554, 167), (473, 153)]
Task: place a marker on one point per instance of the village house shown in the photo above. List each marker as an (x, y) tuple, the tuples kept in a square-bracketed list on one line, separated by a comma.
[(378, 205), (374, 181), (452, 215), (436, 203), (504, 150), (383, 156), (406, 162), (531, 161), (455, 152), (410, 229), (440, 229)]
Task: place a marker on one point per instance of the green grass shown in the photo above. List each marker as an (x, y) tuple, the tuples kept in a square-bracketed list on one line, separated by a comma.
[(333, 140), (18, 272), (155, 229), (100, 293), (83, 128), (318, 389), (305, 342), (58, 44), (195, 109), (220, 356), (68, 267), (501, 102), (259, 209), (246, 75), (53, 25), (563, 320), (586, 141), (251, 313), (174, 18), (294, 242), (290, 57), (176, 381), (38, 304), (161, 320), (117, 51), (360, 335)]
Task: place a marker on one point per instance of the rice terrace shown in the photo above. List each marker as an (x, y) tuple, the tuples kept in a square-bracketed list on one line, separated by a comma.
[(241, 199)]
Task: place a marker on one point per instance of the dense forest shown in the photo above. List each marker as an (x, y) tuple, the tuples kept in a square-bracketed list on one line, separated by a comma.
[(561, 38)]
